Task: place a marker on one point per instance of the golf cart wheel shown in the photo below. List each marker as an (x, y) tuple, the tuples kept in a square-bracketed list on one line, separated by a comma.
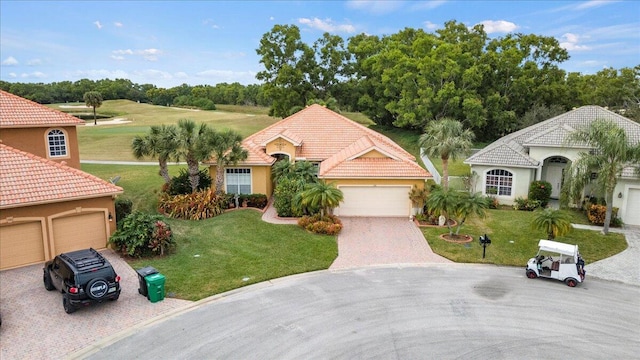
[(571, 282), (531, 274)]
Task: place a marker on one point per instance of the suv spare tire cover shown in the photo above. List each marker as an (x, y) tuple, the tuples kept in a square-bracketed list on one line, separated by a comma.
[(97, 288)]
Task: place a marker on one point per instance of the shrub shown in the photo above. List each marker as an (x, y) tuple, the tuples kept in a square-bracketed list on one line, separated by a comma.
[(493, 202), (526, 204), (181, 185), (124, 207), (143, 234), (328, 224), (541, 191), (283, 197), (200, 205), (597, 213)]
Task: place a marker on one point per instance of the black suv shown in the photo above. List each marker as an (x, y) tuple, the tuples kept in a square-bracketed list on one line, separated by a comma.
[(83, 277)]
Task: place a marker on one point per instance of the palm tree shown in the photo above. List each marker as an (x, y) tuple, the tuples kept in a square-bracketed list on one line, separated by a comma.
[(444, 201), (160, 142), (93, 99), (323, 195), (610, 151), (469, 205), (226, 148), (281, 168), (306, 171), (192, 142), (447, 139), (553, 222)]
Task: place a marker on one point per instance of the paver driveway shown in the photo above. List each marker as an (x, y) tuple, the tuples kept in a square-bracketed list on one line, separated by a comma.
[(381, 241), (34, 325)]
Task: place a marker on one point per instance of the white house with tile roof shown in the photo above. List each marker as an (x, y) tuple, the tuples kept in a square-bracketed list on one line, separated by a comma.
[(374, 173), (47, 204), (539, 152)]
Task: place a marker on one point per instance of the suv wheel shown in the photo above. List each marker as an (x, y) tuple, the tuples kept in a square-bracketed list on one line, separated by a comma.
[(66, 304), (97, 288), (46, 277)]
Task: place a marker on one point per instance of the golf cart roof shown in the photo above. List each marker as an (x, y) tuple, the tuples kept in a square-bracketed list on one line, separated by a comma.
[(562, 248)]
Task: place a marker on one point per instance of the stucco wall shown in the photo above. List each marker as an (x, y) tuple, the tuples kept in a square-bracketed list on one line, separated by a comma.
[(541, 153), (522, 177), (260, 178), (34, 140), (281, 146)]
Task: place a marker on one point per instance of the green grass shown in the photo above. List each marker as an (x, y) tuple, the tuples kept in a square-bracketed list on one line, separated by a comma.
[(237, 249), (514, 241)]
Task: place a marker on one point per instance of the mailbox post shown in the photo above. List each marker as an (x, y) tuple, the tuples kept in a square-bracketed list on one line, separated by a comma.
[(484, 241)]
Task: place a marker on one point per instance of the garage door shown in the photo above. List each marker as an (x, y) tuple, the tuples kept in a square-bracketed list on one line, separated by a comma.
[(79, 232), (21, 244), (632, 212), (375, 201)]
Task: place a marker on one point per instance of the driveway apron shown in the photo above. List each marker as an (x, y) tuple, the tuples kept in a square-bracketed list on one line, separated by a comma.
[(366, 241)]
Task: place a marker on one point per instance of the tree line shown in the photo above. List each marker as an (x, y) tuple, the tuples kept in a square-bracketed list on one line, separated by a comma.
[(406, 79)]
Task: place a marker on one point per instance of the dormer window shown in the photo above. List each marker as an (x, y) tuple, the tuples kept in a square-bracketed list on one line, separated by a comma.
[(57, 143)]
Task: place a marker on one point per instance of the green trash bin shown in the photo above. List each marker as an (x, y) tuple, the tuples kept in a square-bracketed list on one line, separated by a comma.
[(155, 287)]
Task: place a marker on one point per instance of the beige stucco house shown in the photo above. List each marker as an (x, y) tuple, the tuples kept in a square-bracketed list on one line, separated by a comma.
[(539, 152), (374, 173), (47, 204)]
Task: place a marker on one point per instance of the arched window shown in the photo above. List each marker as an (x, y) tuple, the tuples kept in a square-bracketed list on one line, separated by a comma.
[(498, 182), (57, 143)]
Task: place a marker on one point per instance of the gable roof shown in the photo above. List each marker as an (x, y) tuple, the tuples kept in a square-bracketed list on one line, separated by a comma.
[(17, 112), (550, 133), (27, 179), (322, 135)]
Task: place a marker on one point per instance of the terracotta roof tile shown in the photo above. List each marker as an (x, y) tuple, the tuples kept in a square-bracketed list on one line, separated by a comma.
[(334, 140), (26, 179), (20, 112)]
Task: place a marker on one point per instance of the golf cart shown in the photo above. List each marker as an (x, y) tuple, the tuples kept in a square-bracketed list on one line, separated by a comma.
[(558, 261)]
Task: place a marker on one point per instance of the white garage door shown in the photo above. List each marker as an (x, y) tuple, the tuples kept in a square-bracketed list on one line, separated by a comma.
[(21, 244), (375, 201), (79, 232), (632, 212)]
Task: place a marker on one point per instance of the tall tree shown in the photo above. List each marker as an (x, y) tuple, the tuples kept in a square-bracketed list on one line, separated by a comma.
[(93, 99), (193, 146), (288, 64), (159, 143), (446, 139), (610, 151), (226, 148)]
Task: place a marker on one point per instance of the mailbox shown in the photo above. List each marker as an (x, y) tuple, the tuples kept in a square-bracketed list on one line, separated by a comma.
[(484, 240)]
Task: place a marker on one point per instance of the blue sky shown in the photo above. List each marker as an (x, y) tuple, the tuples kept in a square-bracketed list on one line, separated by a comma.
[(168, 43)]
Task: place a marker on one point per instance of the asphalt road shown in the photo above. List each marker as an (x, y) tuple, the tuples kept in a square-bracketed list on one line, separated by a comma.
[(444, 311)]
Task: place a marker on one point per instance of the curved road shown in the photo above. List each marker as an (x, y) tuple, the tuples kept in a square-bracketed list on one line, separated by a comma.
[(434, 311)]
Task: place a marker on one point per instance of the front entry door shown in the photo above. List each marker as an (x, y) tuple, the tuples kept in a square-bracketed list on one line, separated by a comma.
[(554, 177)]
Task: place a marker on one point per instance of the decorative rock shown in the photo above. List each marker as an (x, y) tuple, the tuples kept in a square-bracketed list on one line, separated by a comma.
[(442, 220)]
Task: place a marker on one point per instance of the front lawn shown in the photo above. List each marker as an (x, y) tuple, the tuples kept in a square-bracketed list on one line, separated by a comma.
[(514, 241), (237, 249)]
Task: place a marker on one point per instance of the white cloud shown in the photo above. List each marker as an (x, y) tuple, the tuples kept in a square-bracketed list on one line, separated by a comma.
[(570, 42), (153, 74), (428, 5), (593, 3), (218, 76), (97, 24), (181, 75), (209, 22), (13, 75), (34, 62), (271, 18), (498, 26), (10, 61), (327, 25), (378, 7), (98, 74), (118, 24), (147, 54), (35, 74), (430, 26)]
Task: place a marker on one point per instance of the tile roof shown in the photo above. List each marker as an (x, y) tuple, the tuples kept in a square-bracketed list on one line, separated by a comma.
[(27, 179), (327, 135), (20, 112), (550, 132)]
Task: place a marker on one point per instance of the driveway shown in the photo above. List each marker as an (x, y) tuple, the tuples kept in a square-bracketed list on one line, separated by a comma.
[(382, 241), (34, 325), (623, 267)]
